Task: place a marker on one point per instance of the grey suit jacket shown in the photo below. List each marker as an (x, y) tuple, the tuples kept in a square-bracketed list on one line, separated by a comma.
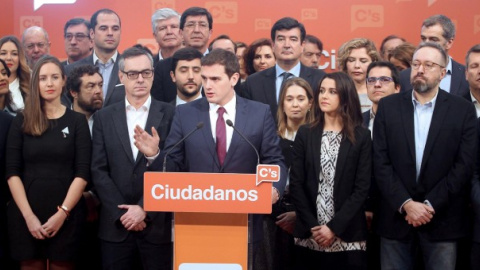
[(118, 178), (113, 96)]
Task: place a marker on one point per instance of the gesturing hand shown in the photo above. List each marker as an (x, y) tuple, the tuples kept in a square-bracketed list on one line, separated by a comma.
[(146, 143)]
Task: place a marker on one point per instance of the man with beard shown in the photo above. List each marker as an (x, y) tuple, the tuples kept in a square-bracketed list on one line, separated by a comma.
[(424, 149), (85, 85), (186, 75)]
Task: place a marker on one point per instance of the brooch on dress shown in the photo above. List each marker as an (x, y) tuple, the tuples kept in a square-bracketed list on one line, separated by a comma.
[(65, 132)]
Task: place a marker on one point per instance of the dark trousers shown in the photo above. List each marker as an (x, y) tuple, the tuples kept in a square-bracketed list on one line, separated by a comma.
[(136, 253)]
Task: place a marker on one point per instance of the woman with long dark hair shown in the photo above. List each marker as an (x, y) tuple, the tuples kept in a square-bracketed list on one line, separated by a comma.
[(6, 101), (11, 51), (330, 178), (48, 166), (259, 56)]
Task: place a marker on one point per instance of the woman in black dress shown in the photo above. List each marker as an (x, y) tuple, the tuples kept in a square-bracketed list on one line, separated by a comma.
[(329, 180), (48, 166)]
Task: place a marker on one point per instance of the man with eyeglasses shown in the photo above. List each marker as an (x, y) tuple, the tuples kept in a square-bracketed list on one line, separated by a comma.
[(196, 28), (36, 44), (128, 234), (424, 149), (105, 32), (441, 30), (78, 44)]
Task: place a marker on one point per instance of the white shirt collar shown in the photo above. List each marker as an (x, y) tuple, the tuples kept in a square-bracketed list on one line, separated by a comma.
[(145, 106), (95, 58), (229, 107)]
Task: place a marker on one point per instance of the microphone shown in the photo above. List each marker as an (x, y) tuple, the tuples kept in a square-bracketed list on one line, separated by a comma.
[(199, 126), (229, 123)]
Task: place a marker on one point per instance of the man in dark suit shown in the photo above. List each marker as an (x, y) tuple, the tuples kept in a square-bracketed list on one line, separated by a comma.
[(78, 45), (196, 28), (288, 37), (217, 148), (166, 30), (185, 73), (441, 30), (382, 80), (424, 151), (472, 74), (105, 32), (127, 232)]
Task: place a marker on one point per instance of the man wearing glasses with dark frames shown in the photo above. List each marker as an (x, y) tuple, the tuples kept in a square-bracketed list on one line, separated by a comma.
[(127, 233), (78, 44), (424, 149), (36, 43)]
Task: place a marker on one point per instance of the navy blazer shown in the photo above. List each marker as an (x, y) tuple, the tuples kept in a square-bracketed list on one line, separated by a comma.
[(260, 86), (446, 169), (351, 183), (113, 96), (198, 154), (458, 84), (118, 177)]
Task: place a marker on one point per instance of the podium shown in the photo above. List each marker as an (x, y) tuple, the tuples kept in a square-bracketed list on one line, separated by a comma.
[(211, 210)]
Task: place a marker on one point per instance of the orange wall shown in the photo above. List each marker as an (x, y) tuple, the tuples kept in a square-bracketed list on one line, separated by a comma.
[(334, 22)]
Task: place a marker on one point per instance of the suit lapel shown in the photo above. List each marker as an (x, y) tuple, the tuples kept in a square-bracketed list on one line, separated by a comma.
[(119, 119), (155, 116), (408, 121), (204, 117), (341, 159), (315, 147), (113, 81), (456, 78), (439, 114), (240, 124), (270, 88)]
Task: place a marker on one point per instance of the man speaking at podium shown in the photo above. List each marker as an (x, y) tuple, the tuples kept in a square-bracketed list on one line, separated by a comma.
[(214, 146)]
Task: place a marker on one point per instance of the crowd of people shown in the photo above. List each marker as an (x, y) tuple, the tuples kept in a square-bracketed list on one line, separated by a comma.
[(379, 162)]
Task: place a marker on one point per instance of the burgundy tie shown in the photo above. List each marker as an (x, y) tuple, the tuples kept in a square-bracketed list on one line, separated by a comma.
[(221, 136)]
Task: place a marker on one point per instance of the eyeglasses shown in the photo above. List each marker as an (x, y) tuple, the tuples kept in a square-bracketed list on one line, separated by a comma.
[(382, 79), (426, 65), (78, 36), (39, 45), (132, 75), (192, 25)]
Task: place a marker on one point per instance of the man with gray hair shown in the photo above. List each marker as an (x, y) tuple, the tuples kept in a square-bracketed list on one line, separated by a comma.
[(441, 30), (36, 44), (166, 30)]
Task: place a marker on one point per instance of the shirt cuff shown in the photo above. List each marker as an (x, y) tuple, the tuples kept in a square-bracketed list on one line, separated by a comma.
[(151, 159), (427, 202), (401, 210)]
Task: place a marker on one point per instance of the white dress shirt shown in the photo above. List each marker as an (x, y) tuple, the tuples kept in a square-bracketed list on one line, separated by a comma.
[(136, 117), (230, 111)]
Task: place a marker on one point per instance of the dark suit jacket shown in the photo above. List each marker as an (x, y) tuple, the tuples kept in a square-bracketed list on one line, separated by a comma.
[(118, 178), (112, 95), (447, 165), (366, 119), (198, 154), (351, 183), (5, 121), (260, 86), (475, 193), (458, 85)]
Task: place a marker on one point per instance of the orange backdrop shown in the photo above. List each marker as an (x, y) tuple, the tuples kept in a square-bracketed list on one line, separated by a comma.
[(334, 22)]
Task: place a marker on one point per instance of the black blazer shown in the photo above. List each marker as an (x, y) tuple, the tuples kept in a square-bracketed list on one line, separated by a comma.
[(112, 95), (475, 193), (260, 86), (446, 169), (458, 85), (163, 88), (118, 177), (366, 118), (352, 182)]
